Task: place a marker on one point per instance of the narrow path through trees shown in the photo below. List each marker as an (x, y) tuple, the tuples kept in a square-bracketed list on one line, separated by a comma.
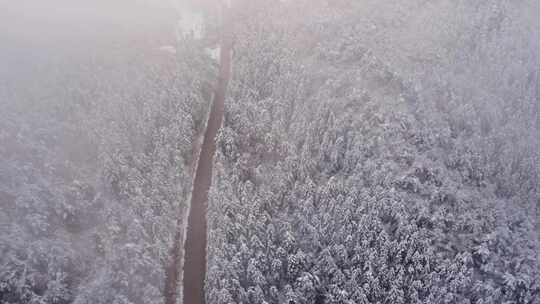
[(195, 247), (194, 272)]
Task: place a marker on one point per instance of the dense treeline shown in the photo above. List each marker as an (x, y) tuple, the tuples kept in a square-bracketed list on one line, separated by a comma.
[(371, 152), (349, 172), (95, 165)]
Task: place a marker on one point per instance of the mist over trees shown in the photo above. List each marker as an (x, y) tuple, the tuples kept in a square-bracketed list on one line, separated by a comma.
[(95, 166), (370, 152)]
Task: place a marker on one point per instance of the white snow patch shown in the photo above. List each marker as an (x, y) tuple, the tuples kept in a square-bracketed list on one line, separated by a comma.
[(168, 49), (213, 52)]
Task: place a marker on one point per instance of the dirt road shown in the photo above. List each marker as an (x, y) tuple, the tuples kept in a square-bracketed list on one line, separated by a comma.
[(195, 247)]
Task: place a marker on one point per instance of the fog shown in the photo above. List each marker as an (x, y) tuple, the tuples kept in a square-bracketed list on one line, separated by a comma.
[(269, 151), (41, 39), (58, 21)]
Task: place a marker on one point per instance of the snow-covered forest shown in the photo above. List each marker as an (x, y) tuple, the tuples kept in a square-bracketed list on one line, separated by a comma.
[(368, 151)]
